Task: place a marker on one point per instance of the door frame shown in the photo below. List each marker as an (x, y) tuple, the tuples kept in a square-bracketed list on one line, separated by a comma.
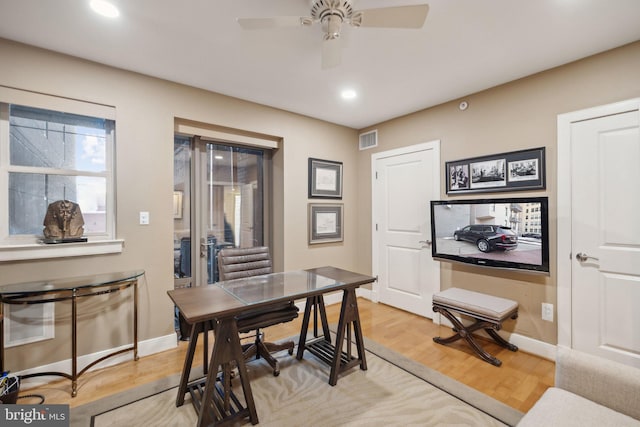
[(430, 145), (564, 249)]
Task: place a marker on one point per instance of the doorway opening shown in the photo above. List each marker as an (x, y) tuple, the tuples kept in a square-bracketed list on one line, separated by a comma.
[(219, 202)]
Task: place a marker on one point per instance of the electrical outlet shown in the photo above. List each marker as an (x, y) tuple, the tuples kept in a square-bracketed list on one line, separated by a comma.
[(547, 311), (144, 218)]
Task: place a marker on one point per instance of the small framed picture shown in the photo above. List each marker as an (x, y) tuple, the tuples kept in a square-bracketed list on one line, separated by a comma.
[(325, 223), (325, 179), (459, 177), (488, 174)]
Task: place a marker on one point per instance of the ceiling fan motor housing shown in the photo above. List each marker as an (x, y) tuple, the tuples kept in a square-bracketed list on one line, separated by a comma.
[(332, 13)]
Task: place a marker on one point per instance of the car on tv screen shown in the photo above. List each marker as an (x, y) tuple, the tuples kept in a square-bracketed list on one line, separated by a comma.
[(488, 237)]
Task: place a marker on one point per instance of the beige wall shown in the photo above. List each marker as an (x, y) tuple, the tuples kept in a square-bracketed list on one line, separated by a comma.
[(146, 109), (514, 116)]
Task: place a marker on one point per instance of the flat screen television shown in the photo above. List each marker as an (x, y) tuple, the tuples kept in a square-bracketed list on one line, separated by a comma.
[(507, 233)]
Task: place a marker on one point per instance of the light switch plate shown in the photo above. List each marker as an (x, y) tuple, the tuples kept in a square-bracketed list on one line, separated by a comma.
[(547, 311), (144, 218)]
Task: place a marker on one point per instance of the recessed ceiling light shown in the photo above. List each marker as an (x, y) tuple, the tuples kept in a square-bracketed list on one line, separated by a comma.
[(104, 8), (348, 94)]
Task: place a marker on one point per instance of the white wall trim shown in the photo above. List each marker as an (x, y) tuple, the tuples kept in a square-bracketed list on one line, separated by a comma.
[(43, 251), (564, 206), (533, 346), (54, 102), (218, 133), (145, 348)]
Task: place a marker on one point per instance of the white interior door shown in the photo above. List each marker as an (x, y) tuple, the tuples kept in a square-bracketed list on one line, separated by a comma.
[(404, 182), (605, 236)]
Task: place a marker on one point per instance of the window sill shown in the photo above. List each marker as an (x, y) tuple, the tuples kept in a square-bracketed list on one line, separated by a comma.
[(43, 251)]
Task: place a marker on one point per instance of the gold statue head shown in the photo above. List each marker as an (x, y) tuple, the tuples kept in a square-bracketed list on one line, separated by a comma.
[(63, 220)]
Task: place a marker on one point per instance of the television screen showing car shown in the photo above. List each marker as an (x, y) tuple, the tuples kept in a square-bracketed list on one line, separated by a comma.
[(504, 233)]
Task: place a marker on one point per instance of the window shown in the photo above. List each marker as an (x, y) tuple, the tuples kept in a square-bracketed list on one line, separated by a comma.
[(48, 155)]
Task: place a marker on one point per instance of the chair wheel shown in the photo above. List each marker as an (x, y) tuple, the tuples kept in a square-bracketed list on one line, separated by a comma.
[(276, 373), (290, 351)]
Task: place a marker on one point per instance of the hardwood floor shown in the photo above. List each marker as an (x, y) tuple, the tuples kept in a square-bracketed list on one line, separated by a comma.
[(518, 383)]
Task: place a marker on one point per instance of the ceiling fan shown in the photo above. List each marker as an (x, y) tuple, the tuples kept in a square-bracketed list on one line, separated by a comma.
[(331, 14)]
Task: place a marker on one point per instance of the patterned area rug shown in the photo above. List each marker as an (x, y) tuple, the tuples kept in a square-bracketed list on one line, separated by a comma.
[(392, 391)]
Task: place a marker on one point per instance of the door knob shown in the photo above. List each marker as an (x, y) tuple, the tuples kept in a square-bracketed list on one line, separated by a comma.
[(426, 242), (584, 257)]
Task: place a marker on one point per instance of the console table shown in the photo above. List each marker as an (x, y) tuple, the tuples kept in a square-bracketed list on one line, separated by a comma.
[(43, 292)]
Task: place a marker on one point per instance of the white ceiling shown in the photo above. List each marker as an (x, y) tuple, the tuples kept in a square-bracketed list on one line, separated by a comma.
[(465, 46)]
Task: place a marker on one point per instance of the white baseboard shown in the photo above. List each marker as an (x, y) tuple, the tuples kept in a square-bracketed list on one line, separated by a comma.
[(535, 347), (145, 348), (367, 293)]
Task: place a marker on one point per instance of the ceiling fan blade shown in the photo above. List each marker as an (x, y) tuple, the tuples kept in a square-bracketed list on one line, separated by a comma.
[(331, 53), (395, 17), (268, 23)]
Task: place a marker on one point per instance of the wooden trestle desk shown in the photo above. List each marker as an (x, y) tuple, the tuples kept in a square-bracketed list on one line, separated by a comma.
[(48, 291), (218, 305)]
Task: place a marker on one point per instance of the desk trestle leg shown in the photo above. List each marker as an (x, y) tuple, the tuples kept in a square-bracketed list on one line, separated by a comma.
[(317, 304), (323, 349), (349, 316), (196, 329), (215, 407)]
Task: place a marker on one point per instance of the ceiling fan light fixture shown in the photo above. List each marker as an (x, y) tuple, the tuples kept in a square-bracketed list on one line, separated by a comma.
[(331, 25)]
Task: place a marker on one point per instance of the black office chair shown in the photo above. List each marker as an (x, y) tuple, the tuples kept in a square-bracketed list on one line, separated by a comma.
[(236, 263)]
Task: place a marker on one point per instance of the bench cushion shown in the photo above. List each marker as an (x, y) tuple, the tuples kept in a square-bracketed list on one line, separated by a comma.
[(560, 408), (488, 306)]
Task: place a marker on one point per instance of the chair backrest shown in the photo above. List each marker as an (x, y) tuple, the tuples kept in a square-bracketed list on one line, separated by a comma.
[(235, 263)]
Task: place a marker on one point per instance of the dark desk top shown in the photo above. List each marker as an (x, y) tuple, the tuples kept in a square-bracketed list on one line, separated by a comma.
[(230, 297)]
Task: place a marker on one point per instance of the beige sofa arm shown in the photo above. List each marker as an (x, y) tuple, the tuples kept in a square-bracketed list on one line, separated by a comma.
[(610, 384)]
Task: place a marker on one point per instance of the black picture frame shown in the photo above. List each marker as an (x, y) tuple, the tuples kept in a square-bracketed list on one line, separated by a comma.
[(512, 171), (325, 179), (325, 223)]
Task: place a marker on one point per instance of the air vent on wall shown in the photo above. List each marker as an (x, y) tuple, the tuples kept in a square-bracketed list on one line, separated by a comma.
[(368, 139)]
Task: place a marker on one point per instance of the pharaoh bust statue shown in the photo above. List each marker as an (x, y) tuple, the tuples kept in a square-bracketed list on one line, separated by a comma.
[(63, 221)]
